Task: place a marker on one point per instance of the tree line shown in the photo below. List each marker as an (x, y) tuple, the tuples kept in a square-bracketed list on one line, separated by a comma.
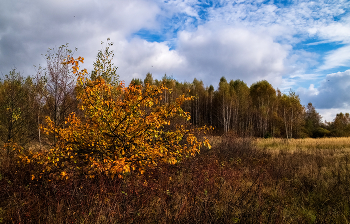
[(258, 110)]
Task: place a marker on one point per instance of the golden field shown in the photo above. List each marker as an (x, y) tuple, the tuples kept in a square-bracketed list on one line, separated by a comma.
[(304, 145)]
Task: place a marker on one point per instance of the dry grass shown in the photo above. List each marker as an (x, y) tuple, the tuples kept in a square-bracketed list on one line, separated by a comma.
[(234, 182), (307, 145)]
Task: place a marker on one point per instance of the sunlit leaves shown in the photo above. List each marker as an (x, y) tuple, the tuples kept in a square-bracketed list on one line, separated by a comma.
[(123, 130)]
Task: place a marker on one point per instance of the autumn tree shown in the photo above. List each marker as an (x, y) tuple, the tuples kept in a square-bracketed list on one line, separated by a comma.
[(225, 102), (148, 79), (168, 82), (242, 107), (103, 66), (198, 103), (17, 107), (122, 130), (40, 93), (210, 91), (292, 113), (136, 82), (263, 97), (60, 86), (341, 125), (312, 121)]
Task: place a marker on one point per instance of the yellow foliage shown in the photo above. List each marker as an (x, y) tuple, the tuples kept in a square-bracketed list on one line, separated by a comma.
[(123, 129)]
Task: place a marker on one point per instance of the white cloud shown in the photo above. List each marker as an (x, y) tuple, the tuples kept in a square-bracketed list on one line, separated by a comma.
[(207, 54), (138, 57), (331, 97), (329, 114), (29, 28), (311, 91), (187, 7), (337, 58), (333, 92), (248, 40), (334, 32), (292, 24), (236, 53)]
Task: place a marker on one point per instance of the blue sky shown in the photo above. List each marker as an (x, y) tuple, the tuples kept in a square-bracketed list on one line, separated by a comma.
[(298, 45)]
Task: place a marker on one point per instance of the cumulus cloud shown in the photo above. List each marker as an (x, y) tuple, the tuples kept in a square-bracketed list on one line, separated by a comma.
[(235, 53), (29, 28), (329, 114), (137, 57), (333, 92), (331, 97), (293, 23), (249, 40), (232, 52)]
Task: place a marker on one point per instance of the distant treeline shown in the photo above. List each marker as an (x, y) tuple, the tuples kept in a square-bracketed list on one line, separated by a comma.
[(258, 110)]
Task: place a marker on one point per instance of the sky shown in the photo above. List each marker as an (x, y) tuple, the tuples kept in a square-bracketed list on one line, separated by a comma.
[(297, 45)]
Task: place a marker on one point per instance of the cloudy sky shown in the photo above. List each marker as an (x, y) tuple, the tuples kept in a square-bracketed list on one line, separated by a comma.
[(294, 44)]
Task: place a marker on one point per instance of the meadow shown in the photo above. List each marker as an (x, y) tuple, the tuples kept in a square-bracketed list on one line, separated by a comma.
[(340, 144), (238, 180)]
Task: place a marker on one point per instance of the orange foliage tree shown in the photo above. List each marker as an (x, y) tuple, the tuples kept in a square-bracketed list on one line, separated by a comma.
[(122, 130)]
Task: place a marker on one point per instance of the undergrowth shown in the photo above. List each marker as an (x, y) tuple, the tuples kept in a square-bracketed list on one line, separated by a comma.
[(234, 182)]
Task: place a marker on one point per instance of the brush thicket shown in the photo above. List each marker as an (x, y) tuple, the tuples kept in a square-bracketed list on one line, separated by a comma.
[(237, 181)]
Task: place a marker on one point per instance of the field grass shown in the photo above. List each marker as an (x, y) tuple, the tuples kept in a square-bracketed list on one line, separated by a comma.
[(237, 181), (305, 145)]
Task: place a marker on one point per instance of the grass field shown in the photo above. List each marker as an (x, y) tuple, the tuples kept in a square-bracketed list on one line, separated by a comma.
[(305, 145), (237, 181)]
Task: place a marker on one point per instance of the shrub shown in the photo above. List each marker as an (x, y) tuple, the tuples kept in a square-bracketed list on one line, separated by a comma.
[(121, 130)]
